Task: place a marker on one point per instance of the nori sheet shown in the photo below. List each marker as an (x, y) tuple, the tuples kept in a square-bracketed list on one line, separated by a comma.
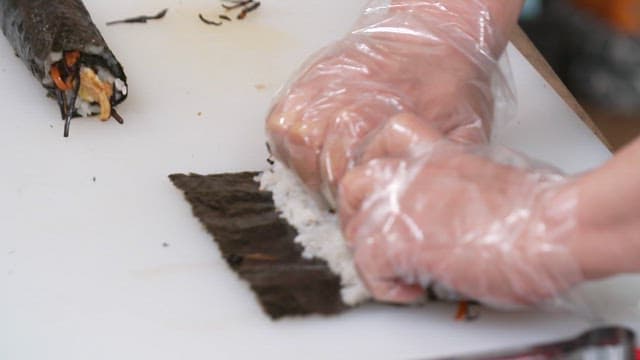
[(37, 28), (259, 245)]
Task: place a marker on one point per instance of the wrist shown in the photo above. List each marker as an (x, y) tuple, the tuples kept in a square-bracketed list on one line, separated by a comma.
[(602, 243), (474, 25)]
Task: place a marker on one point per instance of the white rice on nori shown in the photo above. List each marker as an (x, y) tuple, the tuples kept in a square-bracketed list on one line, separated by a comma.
[(319, 233), (318, 229)]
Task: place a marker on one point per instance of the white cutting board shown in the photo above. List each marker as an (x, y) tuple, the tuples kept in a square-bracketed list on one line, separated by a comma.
[(83, 270)]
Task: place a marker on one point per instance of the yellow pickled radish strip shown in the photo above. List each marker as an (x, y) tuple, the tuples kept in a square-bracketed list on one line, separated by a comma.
[(92, 89)]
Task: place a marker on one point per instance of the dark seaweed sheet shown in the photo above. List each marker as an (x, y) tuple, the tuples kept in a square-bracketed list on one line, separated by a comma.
[(259, 245), (37, 28)]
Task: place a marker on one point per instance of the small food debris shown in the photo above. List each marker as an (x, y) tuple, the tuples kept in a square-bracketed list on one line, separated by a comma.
[(246, 7), (51, 126), (260, 87), (249, 8), (116, 116), (236, 4), (207, 21), (467, 311), (199, 113), (270, 161), (93, 179), (234, 259), (463, 308), (165, 244), (140, 19)]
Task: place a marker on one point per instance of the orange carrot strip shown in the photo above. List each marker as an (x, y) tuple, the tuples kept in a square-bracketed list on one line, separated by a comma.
[(71, 58), (57, 79), (463, 310)]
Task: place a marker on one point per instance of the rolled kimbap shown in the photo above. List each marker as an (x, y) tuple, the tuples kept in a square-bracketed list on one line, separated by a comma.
[(64, 50)]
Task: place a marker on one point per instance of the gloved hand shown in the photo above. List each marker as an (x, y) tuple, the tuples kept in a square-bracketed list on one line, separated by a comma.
[(396, 116), (483, 221), (432, 58)]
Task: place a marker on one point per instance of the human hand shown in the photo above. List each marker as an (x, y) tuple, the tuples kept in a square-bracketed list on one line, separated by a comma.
[(487, 223), (411, 57)]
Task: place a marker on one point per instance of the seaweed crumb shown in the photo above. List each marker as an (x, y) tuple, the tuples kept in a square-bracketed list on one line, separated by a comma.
[(236, 4), (207, 21), (93, 179), (165, 244), (251, 6), (142, 19), (234, 259)]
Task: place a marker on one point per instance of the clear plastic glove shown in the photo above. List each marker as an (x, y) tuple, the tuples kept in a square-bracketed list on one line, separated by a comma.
[(397, 116), (432, 58), (486, 222), (394, 121)]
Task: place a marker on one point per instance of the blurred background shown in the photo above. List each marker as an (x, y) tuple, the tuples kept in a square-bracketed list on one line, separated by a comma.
[(594, 47)]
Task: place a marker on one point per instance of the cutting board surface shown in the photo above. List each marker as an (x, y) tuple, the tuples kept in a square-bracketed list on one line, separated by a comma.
[(100, 257)]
